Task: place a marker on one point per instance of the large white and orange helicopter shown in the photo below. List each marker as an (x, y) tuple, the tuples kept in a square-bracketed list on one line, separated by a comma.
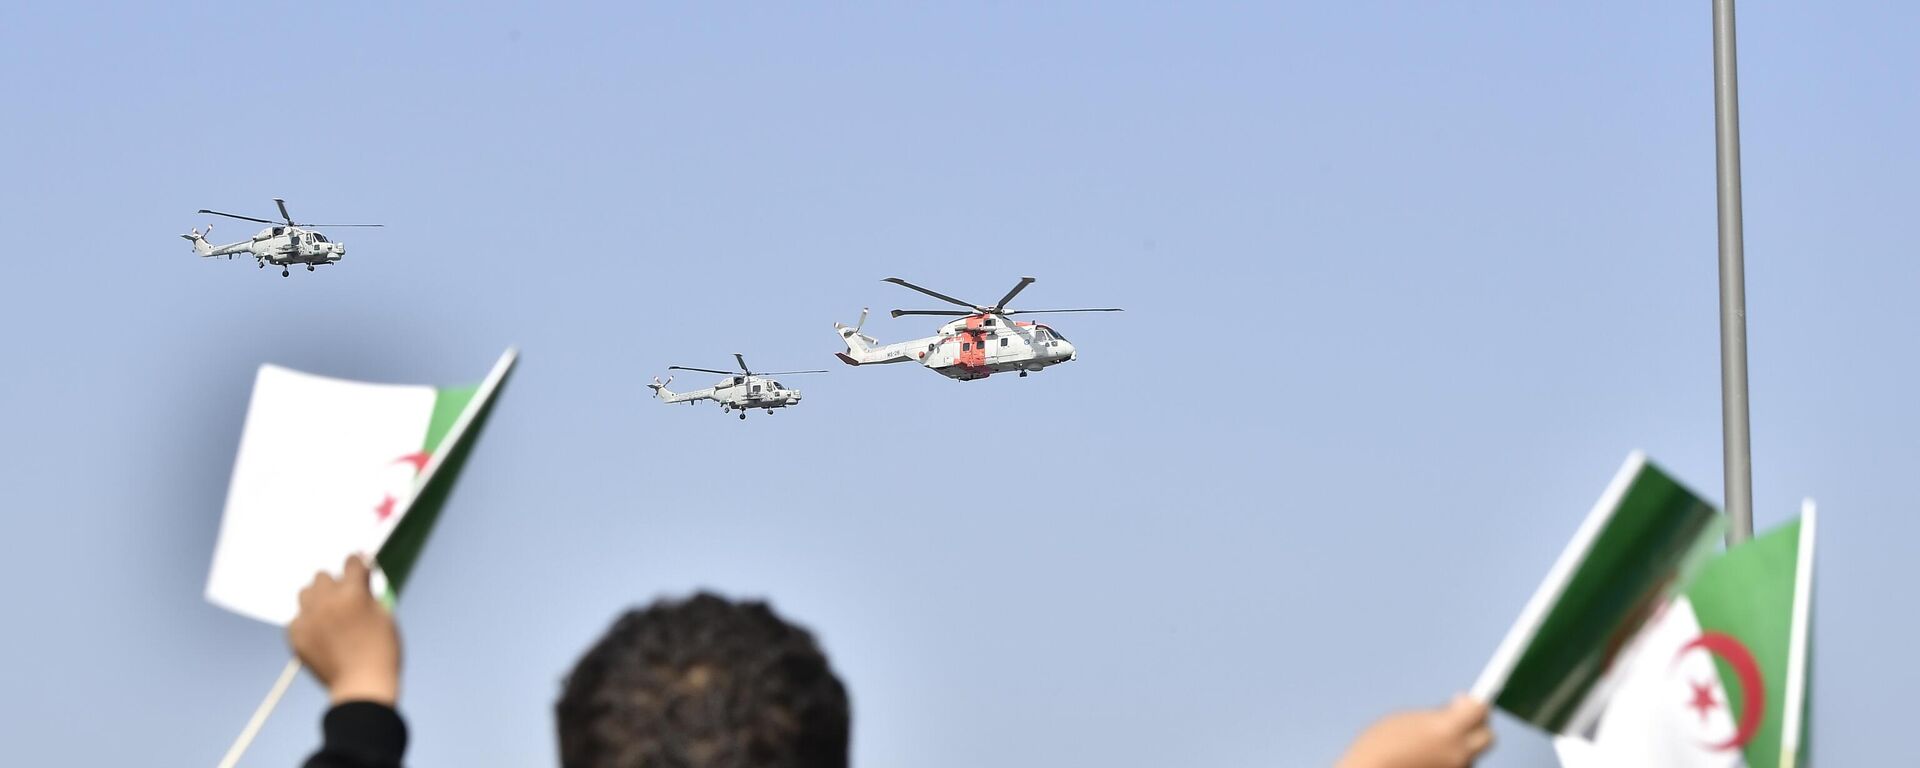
[(983, 341)]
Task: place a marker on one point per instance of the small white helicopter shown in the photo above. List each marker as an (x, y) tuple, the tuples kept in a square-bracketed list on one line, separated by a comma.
[(985, 340), (284, 244), (738, 392)]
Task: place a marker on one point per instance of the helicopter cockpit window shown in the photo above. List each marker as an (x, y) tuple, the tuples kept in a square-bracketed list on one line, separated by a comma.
[(319, 238), (773, 385)]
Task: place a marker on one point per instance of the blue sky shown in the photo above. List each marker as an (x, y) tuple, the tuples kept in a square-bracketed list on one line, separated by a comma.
[(1404, 281)]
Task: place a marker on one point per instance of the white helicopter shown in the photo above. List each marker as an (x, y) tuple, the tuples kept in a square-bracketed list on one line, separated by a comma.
[(738, 392), (985, 340), (284, 244)]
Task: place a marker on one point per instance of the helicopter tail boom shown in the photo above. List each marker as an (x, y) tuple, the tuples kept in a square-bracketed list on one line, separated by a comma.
[(669, 396), (865, 350), (204, 248)]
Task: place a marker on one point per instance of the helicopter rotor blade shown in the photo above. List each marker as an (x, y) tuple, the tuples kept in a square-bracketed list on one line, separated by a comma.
[(1057, 311), (1008, 299), (238, 216), (743, 364), (932, 312), (787, 373), (940, 296), (283, 212), (702, 370), (316, 226)]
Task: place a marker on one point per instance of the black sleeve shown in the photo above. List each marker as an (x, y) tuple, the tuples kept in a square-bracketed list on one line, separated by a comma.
[(361, 734)]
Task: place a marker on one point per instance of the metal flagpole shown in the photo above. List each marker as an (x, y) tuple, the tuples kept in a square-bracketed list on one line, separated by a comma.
[(1736, 446)]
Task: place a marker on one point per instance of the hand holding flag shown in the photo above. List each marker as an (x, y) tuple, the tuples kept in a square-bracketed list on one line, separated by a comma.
[(347, 638), (1450, 737)]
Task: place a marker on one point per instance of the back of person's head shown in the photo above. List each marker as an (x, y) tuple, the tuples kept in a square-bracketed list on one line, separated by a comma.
[(703, 683)]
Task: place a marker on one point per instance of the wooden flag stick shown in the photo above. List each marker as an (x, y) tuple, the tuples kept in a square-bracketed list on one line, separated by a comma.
[(260, 714)]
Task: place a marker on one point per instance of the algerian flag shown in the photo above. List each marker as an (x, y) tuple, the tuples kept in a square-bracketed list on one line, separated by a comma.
[(328, 468), (1720, 676), (1634, 551)]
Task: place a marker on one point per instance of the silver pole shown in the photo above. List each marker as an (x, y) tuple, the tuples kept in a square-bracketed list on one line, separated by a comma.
[(1736, 441)]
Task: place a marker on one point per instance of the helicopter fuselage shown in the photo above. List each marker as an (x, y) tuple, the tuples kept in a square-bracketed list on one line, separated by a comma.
[(972, 347), (281, 246)]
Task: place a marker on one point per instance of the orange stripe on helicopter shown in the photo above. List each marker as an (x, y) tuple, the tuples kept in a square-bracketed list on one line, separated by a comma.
[(975, 360)]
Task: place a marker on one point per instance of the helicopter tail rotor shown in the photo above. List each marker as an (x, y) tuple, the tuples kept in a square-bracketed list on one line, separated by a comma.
[(659, 386), (200, 244), (860, 347)]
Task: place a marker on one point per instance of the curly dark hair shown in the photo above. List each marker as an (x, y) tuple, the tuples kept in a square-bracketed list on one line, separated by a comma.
[(704, 682)]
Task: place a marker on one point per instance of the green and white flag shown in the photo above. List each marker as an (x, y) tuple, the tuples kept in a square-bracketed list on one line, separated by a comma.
[(1719, 678), (1636, 549), (329, 468)]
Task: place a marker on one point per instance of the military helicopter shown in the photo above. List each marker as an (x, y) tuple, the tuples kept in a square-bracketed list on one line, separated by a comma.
[(985, 340), (283, 245), (738, 392)]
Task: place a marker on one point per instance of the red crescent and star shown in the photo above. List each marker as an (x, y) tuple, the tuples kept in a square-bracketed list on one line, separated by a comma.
[(1753, 691), (419, 462)]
